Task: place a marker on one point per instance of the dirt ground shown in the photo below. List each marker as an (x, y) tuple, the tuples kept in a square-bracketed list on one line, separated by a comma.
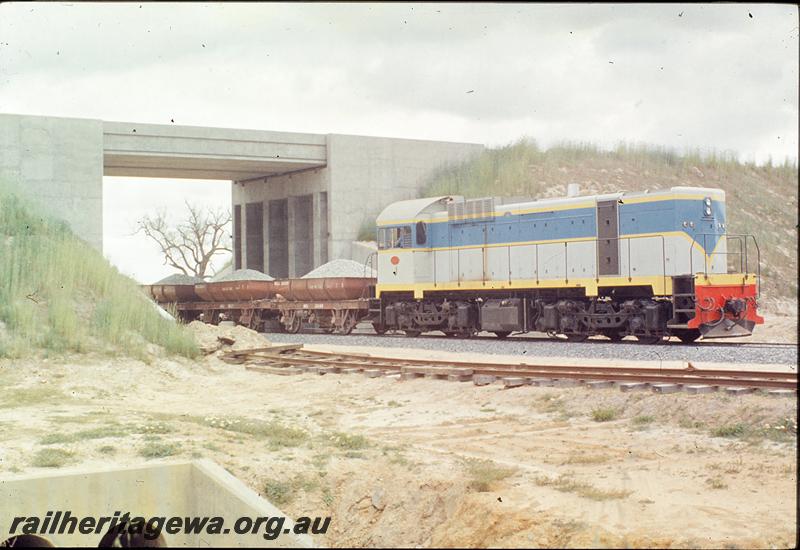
[(780, 323), (427, 462)]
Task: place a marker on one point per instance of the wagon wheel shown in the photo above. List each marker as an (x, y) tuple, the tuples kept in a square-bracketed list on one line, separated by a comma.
[(294, 324), (348, 322), (334, 324), (412, 333), (379, 329), (255, 321), (246, 318), (502, 334)]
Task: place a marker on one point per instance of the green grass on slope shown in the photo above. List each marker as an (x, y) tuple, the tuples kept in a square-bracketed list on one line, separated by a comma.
[(59, 294), (761, 200)]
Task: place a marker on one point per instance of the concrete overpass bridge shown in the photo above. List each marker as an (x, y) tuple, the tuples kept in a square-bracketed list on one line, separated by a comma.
[(168, 151), (298, 199)]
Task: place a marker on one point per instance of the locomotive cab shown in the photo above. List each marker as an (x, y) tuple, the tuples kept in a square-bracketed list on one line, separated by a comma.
[(405, 240)]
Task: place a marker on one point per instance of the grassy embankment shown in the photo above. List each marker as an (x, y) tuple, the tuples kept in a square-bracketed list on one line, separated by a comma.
[(58, 294), (761, 200)]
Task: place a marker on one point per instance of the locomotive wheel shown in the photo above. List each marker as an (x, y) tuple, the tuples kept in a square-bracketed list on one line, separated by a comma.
[(648, 339), (687, 336), (577, 337), (502, 334), (614, 336), (412, 333), (380, 330)]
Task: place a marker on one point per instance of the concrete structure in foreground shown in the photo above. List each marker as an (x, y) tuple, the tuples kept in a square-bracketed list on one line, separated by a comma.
[(298, 199), (196, 489)]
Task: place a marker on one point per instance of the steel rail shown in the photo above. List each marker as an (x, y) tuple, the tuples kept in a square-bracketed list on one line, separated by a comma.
[(689, 369), (536, 339), (690, 375)]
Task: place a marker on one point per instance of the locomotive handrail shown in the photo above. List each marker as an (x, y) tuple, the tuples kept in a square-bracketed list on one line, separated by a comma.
[(566, 244), (758, 266), (743, 255), (434, 268), (368, 263), (508, 260), (629, 238)]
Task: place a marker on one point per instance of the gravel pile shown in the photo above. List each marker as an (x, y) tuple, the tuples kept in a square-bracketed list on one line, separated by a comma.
[(213, 338), (341, 268), (245, 275), (543, 347), (179, 279)]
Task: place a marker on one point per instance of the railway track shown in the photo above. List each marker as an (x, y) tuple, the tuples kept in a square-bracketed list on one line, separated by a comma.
[(533, 338), (293, 359)]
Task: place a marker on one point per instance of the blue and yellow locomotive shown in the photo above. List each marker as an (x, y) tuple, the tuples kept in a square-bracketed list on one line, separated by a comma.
[(648, 265)]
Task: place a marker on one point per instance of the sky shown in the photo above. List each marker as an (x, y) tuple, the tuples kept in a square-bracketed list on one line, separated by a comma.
[(686, 76)]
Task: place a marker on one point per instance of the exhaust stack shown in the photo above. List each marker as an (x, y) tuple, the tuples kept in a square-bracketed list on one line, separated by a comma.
[(573, 190)]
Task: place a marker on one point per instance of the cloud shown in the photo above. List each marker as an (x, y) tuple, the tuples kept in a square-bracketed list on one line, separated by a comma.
[(567, 72)]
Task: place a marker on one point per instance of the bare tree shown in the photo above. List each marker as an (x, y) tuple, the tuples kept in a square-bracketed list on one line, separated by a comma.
[(191, 244)]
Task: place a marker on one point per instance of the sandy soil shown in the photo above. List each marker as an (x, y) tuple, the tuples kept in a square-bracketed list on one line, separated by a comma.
[(428, 462), (780, 323)]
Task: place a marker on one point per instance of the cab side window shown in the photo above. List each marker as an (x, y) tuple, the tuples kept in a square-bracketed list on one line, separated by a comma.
[(394, 237), (397, 241), (387, 238), (405, 237)]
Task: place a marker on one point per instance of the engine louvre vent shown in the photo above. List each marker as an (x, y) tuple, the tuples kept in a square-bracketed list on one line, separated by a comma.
[(472, 210)]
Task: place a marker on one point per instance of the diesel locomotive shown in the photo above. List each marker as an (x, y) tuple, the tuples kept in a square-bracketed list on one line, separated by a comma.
[(647, 265)]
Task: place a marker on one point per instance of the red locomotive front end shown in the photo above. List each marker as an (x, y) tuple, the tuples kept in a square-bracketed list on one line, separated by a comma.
[(725, 308)]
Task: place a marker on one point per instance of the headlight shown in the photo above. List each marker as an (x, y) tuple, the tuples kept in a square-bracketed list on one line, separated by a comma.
[(707, 210), (707, 201), (691, 224), (685, 223)]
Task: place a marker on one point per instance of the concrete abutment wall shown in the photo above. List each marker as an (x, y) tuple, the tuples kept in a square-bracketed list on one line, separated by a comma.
[(57, 164), (327, 206)]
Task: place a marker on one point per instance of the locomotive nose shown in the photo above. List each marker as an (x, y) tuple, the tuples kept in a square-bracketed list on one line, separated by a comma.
[(732, 324)]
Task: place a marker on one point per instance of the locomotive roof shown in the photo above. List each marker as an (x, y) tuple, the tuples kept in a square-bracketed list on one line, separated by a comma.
[(409, 210), (578, 201)]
